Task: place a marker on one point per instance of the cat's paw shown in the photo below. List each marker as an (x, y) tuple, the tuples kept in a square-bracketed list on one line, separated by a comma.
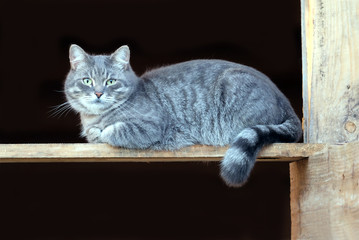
[(107, 133), (93, 135), (113, 135)]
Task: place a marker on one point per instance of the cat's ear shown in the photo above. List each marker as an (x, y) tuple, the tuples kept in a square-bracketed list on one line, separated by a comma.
[(121, 56), (77, 56)]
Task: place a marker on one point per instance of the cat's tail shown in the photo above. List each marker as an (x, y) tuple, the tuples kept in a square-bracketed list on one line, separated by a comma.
[(241, 156)]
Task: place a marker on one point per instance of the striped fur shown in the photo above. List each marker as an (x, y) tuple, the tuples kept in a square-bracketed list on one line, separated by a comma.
[(211, 102)]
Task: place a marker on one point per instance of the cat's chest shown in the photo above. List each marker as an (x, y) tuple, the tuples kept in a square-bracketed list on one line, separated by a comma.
[(91, 121)]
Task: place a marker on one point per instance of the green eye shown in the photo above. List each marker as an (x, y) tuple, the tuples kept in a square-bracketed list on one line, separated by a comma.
[(87, 81), (110, 82)]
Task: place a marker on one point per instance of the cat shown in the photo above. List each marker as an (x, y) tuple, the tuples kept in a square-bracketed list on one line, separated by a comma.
[(208, 102)]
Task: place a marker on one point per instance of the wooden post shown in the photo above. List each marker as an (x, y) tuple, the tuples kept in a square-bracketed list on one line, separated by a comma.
[(330, 37), (325, 188)]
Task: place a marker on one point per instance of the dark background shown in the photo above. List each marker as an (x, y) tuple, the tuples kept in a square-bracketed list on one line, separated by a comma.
[(136, 200)]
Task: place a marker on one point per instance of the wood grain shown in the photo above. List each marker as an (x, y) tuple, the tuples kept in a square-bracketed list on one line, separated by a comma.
[(105, 153), (324, 188), (330, 37), (325, 194)]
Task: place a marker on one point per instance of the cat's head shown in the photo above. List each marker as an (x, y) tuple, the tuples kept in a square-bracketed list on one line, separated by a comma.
[(98, 83)]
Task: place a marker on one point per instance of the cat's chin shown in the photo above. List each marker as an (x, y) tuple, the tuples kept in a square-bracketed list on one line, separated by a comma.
[(89, 112), (90, 108), (94, 107), (95, 110)]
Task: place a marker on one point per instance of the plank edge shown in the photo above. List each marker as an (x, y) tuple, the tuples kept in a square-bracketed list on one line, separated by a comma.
[(85, 152)]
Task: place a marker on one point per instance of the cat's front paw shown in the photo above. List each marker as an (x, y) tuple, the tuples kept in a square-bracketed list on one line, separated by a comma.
[(93, 135), (112, 135), (109, 134)]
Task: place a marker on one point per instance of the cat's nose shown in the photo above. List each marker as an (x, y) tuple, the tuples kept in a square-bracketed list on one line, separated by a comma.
[(98, 94)]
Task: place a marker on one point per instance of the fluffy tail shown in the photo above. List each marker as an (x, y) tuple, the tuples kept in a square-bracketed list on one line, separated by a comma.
[(241, 156)]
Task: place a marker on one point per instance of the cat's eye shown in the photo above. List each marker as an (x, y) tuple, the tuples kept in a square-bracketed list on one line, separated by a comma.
[(87, 81), (110, 82)]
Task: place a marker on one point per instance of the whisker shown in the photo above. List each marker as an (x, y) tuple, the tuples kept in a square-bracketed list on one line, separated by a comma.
[(60, 110), (59, 91)]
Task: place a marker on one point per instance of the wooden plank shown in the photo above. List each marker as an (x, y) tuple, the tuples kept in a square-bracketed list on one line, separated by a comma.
[(324, 189), (325, 194), (330, 37), (105, 153)]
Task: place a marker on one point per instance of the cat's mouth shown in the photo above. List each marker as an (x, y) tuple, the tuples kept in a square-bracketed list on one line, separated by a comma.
[(97, 101), (92, 107)]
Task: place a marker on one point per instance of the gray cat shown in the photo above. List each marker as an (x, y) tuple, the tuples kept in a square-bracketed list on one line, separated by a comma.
[(210, 102)]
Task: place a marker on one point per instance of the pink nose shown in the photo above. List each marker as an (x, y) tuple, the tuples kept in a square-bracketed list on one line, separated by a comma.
[(98, 94)]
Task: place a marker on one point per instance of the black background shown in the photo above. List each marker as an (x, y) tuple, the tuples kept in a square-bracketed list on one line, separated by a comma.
[(138, 200)]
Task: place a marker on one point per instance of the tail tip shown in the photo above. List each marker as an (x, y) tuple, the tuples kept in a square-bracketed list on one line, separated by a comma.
[(235, 171)]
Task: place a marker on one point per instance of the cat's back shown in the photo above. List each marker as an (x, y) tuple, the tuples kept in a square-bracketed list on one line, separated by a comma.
[(211, 101), (200, 71), (207, 79)]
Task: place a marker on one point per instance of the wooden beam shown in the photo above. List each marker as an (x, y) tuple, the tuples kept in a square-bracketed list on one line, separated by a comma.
[(15, 153), (324, 188), (325, 194), (330, 37)]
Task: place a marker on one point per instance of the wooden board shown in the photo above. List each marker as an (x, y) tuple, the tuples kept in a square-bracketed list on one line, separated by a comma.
[(325, 194), (330, 38), (105, 153), (324, 189)]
